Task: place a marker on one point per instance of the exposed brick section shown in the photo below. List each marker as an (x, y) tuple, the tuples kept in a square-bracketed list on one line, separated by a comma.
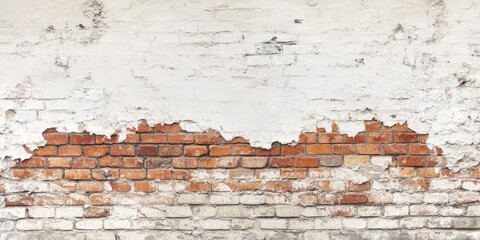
[(384, 177)]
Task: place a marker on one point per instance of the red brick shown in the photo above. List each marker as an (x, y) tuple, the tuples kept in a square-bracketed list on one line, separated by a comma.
[(63, 187), (70, 150), (159, 174), (373, 126), (344, 149), (273, 151), (331, 138), (238, 140), (46, 151), (306, 162), (18, 200), (221, 151), (135, 174), (96, 212), (122, 150), (428, 172), (105, 174), (308, 138), (293, 150), (227, 162), (406, 137), (379, 138), (319, 149), (48, 200), (184, 162), (254, 162), (56, 138), (133, 162), (154, 138), (250, 186), (277, 186), (195, 151), (187, 138), (397, 128), (148, 150), (119, 186), (101, 139), (368, 149), (170, 151), (22, 173), (362, 187), (82, 139), (207, 163), (33, 162), (353, 198), (90, 186), (359, 138), (77, 174), (181, 174), (155, 162), (59, 162), (110, 162), (224, 187), (144, 127), (433, 161), (240, 173), (415, 185), (243, 149), (330, 161), (168, 128), (49, 174), (76, 199), (199, 187), (144, 186), (101, 199), (208, 138), (395, 149), (419, 149), (411, 161), (281, 162), (132, 138), (84, 163), (294, 173)]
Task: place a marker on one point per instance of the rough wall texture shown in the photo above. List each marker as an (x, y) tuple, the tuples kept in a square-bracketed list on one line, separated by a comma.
[(259, 69), (165, 183), (263, 70)]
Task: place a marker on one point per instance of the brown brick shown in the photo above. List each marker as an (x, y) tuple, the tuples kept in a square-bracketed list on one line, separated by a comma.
[(221, 151), (96, 212), (159, 174), (122, 150), (77, 174), (344, 149), (294, 173), (144, 186), (133, 162), (155, 162), (90, 186), (395, 149), (184, 162), (254, 162), (330, 161), (147, 150), (110, 162), (22, 173), (306, 162), (293, 150), (411, 161), (82, 139), (33, 162), (319, 149), (199, 187), (379, 138), (135, 174), (195, 151), (368, 149), (406, 137), (56, 138), (46, 151), (169, 150), (281, 162), (353, 198), (120, 186), (70, 150), (59, 162), (84, 163)]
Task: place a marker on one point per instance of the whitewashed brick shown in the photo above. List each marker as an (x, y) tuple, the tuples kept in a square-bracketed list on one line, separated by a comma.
[(273, 223), (288, 211), (195, 199), (224, 199), (215, 224), (300, 224), (328, 223), (396, 210), (354, 223), (178, 212), (117, 224), (29, 224), (41, 212), (234, 212), (379, 223), (89, 224), (69, 212), (58, 224), (252, 199), (12, 213)]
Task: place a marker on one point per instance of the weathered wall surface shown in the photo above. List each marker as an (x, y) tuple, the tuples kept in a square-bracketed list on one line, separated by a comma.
[(263, 70), (259, 69)]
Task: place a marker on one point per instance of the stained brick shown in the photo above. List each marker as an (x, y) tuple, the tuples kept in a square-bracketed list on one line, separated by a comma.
[(254, 162), (148, 150), (411, 161), (82, 139), (353, 198), (77, 174), (195, 151), (122, 150), (184, 162)]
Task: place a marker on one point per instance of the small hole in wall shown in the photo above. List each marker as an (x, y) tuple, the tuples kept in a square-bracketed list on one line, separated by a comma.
[(9, 114)]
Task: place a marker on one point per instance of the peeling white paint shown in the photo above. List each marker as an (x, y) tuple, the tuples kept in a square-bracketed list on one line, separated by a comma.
[(242, 67)]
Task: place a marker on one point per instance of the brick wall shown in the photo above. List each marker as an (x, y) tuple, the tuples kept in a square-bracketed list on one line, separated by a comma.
[(164, 183)]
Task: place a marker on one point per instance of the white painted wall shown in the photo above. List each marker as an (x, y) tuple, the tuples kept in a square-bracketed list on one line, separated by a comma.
[(210, 62)]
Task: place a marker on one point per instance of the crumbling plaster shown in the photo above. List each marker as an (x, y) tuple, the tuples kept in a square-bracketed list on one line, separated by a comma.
[(264, 70)]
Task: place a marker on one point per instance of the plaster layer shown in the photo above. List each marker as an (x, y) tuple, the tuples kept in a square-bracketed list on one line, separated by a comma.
[(259, 69)]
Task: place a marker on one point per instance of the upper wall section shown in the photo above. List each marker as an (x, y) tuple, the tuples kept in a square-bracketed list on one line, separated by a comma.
[(259, 69)]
